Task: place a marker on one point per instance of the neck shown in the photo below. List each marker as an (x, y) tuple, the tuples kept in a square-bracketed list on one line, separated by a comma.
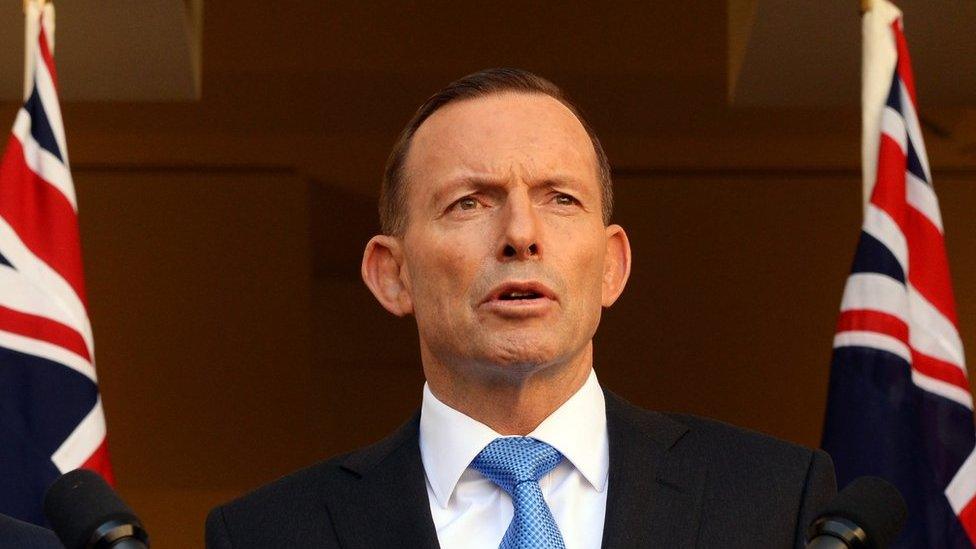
[(511, 404)]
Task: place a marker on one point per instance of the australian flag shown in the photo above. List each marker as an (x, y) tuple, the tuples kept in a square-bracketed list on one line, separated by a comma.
[(899, 403), (51, 418)]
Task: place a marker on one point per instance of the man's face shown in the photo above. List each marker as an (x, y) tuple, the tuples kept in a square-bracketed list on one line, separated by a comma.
[(505, 251)]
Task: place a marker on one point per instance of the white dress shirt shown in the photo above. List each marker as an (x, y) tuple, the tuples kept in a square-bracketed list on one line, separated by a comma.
[(470, 511)]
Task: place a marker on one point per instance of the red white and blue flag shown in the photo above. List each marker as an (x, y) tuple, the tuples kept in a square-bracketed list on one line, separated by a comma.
[(51, 418), (899, 403)]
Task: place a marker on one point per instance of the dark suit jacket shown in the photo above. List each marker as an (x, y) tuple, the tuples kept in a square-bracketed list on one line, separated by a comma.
[(675, 481), (23, 535)]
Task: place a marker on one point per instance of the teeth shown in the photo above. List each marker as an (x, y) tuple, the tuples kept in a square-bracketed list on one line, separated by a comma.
[(519, 295)]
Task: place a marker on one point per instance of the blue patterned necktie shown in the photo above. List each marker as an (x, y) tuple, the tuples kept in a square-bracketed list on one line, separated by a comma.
[(516, 464)]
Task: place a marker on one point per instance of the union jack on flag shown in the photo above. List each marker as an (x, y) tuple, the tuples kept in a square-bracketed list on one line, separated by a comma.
[(899, 403), (51, 418)]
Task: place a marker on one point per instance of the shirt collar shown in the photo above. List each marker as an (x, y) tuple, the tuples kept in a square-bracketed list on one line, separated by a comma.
[(450, 440), (578, 429)]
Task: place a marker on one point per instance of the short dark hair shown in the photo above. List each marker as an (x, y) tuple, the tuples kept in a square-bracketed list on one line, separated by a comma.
[(393, 211)]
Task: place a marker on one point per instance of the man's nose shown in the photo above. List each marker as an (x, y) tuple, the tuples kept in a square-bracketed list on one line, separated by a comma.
[(520, 240)]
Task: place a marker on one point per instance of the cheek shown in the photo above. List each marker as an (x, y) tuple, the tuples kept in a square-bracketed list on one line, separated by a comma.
[(441, 274), (582, 249), (586, 274)]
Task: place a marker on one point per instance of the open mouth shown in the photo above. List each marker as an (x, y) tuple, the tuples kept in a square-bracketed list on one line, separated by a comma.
[(520, 293), (515, 296), (520, 300)]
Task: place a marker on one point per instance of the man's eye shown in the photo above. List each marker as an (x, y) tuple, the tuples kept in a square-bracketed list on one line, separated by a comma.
[(565, 200), (467, 203)]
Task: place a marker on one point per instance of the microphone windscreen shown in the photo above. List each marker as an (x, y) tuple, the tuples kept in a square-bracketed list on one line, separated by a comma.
[(78, 503), (873, 504)]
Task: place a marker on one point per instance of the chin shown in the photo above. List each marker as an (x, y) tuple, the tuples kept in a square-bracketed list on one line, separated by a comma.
[(523, 354)]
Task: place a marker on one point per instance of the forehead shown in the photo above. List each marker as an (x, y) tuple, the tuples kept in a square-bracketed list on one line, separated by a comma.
[(525, 135)]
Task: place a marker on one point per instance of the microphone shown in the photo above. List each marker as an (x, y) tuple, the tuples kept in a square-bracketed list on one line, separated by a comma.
[(86, 513), (867, 514)]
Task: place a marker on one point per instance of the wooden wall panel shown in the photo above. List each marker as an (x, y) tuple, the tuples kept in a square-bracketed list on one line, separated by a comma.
[(199, 290)]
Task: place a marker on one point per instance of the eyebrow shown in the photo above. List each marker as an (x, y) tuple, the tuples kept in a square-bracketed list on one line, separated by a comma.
[(468, 181), (481, 182)]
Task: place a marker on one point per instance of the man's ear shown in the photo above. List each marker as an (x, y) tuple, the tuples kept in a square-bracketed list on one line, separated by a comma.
[(381, 271), (616, 264)]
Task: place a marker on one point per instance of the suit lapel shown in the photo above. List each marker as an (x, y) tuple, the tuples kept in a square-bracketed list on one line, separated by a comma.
[(655, 491), (385, 503), (654, 499)]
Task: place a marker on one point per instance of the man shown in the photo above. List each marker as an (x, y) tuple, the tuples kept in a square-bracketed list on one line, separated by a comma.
[(24, 535), (495, 212)]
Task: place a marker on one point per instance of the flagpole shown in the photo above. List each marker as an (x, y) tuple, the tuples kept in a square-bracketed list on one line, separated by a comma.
[(34, 11), (30, 30), (40, 4)]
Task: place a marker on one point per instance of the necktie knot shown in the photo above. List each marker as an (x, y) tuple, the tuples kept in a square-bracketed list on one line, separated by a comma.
[(510, 461), (516, 464)]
